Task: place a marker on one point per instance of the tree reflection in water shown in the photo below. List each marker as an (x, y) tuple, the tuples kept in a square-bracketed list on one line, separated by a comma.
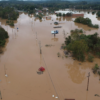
[(55, 39), (75, 73)]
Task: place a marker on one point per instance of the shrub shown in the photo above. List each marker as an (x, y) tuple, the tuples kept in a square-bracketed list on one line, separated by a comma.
[(7, 21), (96, 67), (58, 54), (90, 58), (99, 72)]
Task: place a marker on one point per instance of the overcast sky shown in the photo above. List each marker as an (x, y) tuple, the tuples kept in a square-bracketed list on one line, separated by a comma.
[(50, 0)]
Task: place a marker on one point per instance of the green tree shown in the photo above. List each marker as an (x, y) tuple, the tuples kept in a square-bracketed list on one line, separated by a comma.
[(78, 48), (98, 14), (90, 58)]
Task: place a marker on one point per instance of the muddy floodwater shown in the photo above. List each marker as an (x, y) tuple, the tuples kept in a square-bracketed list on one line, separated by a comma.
[(63, 77)]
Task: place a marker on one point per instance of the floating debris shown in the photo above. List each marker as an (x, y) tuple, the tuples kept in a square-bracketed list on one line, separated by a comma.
[(9, 82), (49, 45), (6, 75), (97, 95), (52, 95), (39, 72), (56, 97), (58, 54)]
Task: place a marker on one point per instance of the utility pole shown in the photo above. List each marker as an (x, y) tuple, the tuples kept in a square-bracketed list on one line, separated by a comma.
[(36, 35), (5, 69), (64, 33), (88, 80), (40, 47)]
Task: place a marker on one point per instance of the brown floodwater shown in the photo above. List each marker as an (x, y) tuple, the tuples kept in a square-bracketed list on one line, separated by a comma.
[(63, 77)]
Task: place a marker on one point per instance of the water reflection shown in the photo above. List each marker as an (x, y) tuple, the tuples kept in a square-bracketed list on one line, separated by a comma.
[(3, 22), (59, 18), (54, 39), (98, 18), (85, 27), (75, 73)]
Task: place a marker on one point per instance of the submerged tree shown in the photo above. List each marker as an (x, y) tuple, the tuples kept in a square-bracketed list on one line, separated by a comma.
[(78, 48)]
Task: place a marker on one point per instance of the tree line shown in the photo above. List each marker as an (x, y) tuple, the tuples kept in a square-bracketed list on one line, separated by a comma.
[(81, 45), (8, 13), (86, 21), (52, 5), (3, 37)]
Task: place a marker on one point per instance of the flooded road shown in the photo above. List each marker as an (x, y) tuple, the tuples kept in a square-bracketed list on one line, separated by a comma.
[(63, 77)]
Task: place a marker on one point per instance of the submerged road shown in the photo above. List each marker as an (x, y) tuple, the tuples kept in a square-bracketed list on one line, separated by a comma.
[(63, 77)]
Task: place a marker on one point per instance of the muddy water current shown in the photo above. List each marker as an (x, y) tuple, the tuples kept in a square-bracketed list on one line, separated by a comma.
[(63, 77)]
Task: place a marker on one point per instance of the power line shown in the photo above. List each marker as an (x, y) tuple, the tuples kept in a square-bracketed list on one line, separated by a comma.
[(49, 75)]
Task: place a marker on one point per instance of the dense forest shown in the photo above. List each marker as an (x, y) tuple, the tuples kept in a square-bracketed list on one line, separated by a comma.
[(52, 5), (8, 13)]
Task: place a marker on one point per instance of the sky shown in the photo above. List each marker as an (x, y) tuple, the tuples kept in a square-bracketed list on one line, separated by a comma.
[(49, 0)]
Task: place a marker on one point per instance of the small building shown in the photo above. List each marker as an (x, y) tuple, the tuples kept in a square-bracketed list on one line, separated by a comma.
[(45, 9), (48, 17), (37, 13)]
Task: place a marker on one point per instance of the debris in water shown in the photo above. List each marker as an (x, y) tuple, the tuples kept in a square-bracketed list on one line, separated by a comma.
[(6, 75), (56, 97), (96, 95), (9, 82), (52, 95)]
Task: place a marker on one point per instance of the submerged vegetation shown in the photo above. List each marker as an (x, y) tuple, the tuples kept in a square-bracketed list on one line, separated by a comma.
[(80, 45), (10, 22), (59, 14), (3, 36), (96, 69), (86, 21), (39, 15), (98, 14)]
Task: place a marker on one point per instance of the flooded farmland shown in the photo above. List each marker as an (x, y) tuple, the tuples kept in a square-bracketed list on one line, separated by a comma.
[(63, 77)]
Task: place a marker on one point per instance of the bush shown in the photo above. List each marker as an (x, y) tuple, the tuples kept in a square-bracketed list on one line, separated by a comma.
[(96, 26), (90, 58), (7, 21), (81, 31), (98, 14), (2, 43), (81, 57), (58, 54), (93, 12), (95, 68), (63, 15)]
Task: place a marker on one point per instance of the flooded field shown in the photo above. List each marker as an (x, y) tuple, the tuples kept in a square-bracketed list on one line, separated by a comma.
[(63, 77)]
